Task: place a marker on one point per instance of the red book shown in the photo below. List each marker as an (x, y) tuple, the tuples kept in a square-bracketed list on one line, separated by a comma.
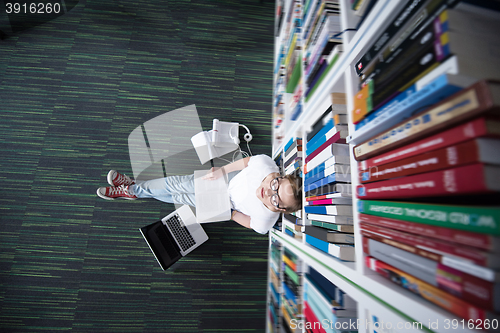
[(476, 128), (433, 294), (483, 150), (474, 239), (465, 286), (333, 139), (470, 179), (312, 322), (437, 247), (334, 201)]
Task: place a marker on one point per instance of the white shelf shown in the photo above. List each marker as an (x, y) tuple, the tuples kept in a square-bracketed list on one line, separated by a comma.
[(376, 295)]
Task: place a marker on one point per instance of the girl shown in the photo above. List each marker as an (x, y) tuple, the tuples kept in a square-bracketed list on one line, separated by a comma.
[(258, 193)]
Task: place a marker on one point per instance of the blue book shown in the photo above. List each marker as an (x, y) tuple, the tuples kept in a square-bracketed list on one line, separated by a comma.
[(329, 209), (341, 251), (289, 232), (322, 283), (315, 171), (290, 142), (315, 145), (320, 135), (414, 99), (296, 112), (289, 295), (332, 178)]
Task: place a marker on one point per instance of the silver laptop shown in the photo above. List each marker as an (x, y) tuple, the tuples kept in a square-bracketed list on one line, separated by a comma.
[(174, 236), (212, 198)]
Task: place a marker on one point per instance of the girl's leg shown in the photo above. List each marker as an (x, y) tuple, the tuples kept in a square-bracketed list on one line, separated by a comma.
[(172, 189)]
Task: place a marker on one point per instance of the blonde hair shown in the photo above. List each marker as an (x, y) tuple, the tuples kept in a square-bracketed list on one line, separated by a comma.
[(296, 183)]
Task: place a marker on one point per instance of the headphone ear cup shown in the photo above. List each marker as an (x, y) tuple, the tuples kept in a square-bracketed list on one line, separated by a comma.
[(247, 137)]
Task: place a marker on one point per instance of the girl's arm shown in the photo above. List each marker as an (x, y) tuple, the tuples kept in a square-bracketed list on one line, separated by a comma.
[(241, 218), (235, 166)]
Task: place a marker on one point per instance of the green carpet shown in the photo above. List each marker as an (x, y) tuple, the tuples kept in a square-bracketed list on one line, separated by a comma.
[(71, 91)]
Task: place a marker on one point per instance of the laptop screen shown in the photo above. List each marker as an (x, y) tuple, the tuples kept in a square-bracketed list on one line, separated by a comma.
[(162, 244)]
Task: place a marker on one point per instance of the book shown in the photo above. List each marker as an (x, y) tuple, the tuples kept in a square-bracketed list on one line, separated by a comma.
[(330, 210), (474, 239), (341, 251), (335, 219), (328, 159), (386, 78), (332, 226), (406, 11), (454, 267), (476, 128), (330, 195), (480, 98), (332, 201), (436, 246), (319, 124), (482, 219), (328, 149), (331, 60), (453, 181), (438, 84), (332, 178), (472, 151), (338, 169), (329, 235), (312, 323), (318, 141), (433, 294), (330, 188), (467, 287)]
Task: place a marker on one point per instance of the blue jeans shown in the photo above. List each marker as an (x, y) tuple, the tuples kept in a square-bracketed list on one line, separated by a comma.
[(172, 189)]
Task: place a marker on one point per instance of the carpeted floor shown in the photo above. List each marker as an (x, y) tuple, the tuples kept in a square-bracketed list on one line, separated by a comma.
[(71, 91)]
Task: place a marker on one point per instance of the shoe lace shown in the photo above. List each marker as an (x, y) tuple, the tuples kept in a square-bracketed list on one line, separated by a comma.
[(121, 178), (118, 190)]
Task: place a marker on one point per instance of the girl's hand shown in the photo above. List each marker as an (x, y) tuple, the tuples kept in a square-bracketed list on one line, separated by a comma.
[(214, 174)]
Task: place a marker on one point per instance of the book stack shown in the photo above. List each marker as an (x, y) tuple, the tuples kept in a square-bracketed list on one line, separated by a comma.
[(428, 137), (436, 49), (293, 47), (326, 307), (322, 40), (292, 225), (274, 287), (291, 305), (292, 161), (327, 178)]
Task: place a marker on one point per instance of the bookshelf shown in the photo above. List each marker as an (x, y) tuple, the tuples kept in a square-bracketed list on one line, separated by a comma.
[(377, 298)]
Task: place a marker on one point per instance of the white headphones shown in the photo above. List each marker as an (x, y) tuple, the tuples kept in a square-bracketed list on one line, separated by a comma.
[(247, 137)]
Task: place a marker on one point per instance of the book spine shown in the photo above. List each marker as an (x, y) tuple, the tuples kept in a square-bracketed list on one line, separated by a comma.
[(464, 153), (482, 241), (320, 134), (451, 303), (443, 182), (314, 324), (430, 89), (473, 129), (340, 155), (332, 178), (459, 107), (415, 262), (317, 243), (437, 247), (470, 218), (404, 15)]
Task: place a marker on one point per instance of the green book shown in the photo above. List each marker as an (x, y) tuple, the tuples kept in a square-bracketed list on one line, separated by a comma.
[(470, 218), (332, 226), (294, 79), (293, 276)]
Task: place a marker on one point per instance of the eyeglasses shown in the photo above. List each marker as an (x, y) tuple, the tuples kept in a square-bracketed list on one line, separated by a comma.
[(275, 197)]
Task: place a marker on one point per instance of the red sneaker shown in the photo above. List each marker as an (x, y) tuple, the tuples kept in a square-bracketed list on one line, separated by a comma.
[(115, 192), (116, 179)]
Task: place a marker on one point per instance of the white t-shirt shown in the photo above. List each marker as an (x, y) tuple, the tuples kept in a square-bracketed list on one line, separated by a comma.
[(242, 190)]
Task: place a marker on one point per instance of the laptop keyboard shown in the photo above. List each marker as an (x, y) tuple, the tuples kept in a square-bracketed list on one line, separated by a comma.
[(180, 232)]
